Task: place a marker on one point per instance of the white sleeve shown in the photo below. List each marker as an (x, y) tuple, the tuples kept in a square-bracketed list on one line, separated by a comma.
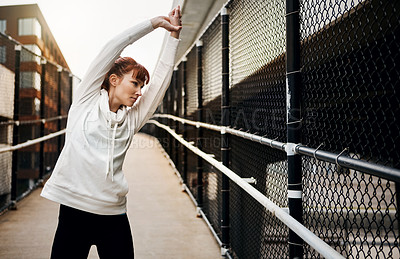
[(154, 92), (94, 77)]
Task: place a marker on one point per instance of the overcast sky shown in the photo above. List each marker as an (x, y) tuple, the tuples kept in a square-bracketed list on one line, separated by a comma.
[(82, 27)]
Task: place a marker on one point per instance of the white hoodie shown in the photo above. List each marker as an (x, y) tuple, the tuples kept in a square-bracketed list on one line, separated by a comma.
[(88, 174)]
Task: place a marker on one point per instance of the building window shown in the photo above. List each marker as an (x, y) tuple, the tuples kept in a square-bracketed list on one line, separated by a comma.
[(36, 102), (4, 134), (3, 26), (29, 26), (30, 80), (3, 54), (3, 49), (29, 106), (27, 56)]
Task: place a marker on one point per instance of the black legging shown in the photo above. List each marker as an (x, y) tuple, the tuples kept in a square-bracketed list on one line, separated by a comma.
[(78, 230)]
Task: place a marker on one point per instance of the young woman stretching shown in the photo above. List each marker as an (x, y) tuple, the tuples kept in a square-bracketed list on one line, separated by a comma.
[(114, 100)]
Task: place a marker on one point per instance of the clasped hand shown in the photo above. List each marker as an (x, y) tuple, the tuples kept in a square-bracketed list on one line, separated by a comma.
[(171, 23)]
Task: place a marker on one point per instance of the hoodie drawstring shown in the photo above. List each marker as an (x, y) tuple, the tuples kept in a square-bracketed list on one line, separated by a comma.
[(112, 118), (110, 162)]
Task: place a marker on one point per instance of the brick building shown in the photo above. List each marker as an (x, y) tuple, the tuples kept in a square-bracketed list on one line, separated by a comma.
[(42, 66)]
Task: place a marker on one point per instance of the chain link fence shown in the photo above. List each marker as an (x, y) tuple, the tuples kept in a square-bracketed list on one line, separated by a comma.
[(350, 70), (349, 100), (40, 107)]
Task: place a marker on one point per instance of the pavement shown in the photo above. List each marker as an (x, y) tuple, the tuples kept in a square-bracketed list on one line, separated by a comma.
[(162, 217)]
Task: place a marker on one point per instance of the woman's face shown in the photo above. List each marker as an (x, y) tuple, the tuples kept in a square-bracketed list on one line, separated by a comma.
[(128, 89)]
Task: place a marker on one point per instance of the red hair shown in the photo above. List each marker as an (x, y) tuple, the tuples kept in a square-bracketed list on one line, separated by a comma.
[(124, 65)]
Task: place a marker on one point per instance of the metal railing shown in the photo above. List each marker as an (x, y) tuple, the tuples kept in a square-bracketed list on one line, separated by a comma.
[(319, 245), (382, 171), (12, 204), (339, 159)]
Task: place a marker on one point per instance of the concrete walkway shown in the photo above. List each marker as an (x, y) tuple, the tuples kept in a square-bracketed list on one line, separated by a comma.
[(163, 218)]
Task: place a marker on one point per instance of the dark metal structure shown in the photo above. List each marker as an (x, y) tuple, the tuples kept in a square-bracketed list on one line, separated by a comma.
[(320, 80)]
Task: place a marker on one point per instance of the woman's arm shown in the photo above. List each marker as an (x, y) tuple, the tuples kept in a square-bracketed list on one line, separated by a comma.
[(94, 77), (154, 92)]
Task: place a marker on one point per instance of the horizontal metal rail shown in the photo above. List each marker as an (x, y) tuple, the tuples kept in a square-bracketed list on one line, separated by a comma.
[(32, 142), (319, 245), (382, 171), (385, 172), (260, 139), (24, 122)]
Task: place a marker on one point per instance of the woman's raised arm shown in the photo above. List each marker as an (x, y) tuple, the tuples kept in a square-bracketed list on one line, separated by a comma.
[(154, 92), (94, 77)]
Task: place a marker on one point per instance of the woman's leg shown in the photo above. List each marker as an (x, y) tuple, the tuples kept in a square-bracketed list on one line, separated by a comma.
[(72, 238), (114, 238)]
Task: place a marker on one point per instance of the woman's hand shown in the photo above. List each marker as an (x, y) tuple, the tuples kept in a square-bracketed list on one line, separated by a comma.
[(175, 18), (172, 23)]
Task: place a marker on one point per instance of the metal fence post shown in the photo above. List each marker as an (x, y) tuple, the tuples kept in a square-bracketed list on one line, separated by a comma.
[(176, 113), (397, 188), (225, 117), (59, 70), (199, 46), (179, 113), (293, 95), (42, 116), (185, 101), (169, 108), (14, 165)]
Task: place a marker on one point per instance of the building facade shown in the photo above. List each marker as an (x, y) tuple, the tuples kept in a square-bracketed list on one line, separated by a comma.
[(45, 83)]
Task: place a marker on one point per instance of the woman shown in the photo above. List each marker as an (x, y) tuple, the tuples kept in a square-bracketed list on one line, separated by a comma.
[(109, 107)]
